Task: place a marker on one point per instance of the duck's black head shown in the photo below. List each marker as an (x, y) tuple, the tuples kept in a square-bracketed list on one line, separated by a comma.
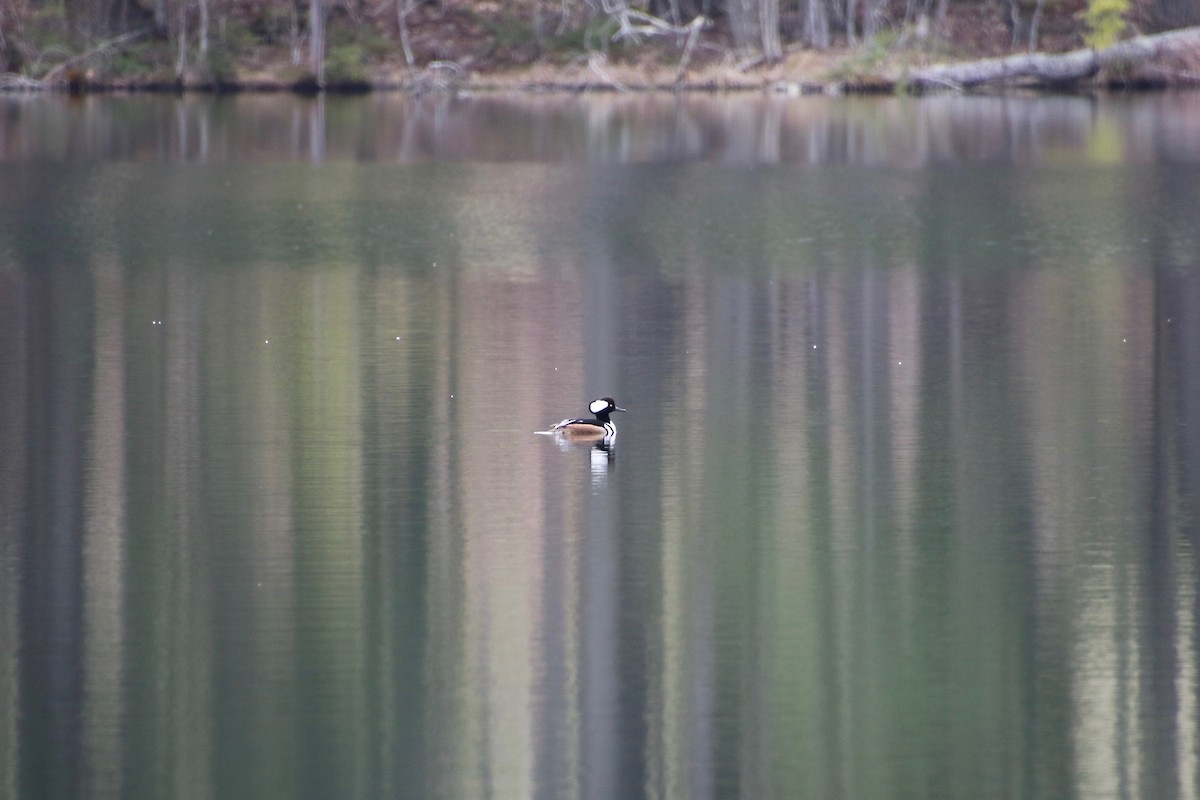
[(603, 407)]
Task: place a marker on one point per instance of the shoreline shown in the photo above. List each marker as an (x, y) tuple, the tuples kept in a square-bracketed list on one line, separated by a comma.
[(797, 87), (1147, 63)]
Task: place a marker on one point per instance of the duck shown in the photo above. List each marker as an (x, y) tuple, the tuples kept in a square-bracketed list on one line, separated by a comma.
[(583, 429)]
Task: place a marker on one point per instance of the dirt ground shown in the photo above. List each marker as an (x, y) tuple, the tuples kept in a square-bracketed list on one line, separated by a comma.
[(481, 45), (464, 52)]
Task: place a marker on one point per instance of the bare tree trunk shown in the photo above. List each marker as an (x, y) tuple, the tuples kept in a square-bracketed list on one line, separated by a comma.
[(1034, 22), (403, 8), (768, 23), (73, 14), (117, 16), (755, 26), (743, 23), (675, 15), (316, 40), (872, 19), (694, 29), (1170, 14), (921, 10), (1014, 23), (851, 13), (296, 55), (203, 33), (181, 37), (816, 24), (162, 17)]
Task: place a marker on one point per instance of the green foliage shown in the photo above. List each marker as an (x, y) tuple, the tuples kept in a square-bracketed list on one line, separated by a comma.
[(46, 22), (866, 62), (41, 41), (139, 60), (273, 24), (221, 67), (345, 64), (234, 37), (595, 34), (1105, 21), (508, 32), (370, 42)]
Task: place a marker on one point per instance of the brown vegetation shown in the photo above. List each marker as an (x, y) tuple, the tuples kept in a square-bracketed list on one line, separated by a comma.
[(421, 45)]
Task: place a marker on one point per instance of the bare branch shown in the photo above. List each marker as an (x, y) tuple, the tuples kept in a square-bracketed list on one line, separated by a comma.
[(109, 44), (693, 35), (634, 24), (596, 64), (403, 9), (20, 83)]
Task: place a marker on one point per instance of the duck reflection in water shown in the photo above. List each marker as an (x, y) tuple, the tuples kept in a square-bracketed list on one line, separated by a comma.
[(602, 453)]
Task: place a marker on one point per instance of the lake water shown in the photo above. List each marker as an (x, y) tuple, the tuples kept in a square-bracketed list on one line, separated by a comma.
[(904, 504)]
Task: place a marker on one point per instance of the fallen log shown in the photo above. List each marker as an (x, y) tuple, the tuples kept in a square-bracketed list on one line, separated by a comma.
[(1057, 70)]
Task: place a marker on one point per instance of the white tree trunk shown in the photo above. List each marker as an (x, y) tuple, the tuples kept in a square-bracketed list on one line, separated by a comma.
[(181, 34), (403, 7), (1034, 22), (316, 40), (816, 24), (743, 24), (768, 23), (1041, 68), (203, 33)]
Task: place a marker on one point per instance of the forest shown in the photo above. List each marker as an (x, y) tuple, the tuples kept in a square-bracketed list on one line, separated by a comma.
[(423, 44)]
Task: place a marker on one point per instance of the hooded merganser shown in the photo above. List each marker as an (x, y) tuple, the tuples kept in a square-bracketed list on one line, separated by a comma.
[(598, 428)]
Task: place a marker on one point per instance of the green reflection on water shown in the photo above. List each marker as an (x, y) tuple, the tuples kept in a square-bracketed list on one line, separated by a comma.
[(900, 507)]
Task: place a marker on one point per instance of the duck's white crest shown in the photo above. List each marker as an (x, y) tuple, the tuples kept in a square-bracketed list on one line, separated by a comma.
[(597, 406)]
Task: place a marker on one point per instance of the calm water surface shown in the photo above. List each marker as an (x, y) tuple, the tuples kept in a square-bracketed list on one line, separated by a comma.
[(904, 504)]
